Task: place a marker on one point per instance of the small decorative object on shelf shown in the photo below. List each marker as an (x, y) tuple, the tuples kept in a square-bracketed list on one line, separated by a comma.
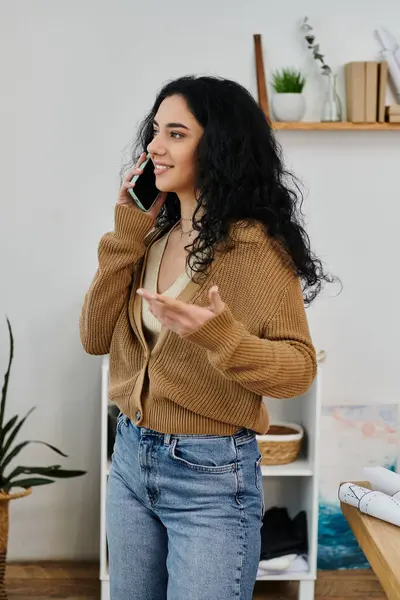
[(288, 102), (332, 106), (20, 478), (281, 444), (392, 113)]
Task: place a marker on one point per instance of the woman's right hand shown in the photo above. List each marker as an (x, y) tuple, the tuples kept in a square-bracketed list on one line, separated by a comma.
[(124, 197)]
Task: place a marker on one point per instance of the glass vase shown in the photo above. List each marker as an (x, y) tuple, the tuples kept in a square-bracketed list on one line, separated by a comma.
[(332, 106)]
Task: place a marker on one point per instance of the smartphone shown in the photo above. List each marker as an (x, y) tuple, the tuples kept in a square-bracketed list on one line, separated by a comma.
[(145, 193)]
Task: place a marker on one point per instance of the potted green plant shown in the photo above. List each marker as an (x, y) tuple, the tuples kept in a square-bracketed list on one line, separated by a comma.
[(22, 478), (288, 102)]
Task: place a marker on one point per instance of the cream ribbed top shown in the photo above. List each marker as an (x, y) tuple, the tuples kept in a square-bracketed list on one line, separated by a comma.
[(151, 325)]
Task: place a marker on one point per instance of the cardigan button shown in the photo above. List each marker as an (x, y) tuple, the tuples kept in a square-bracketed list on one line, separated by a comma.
[(138, 415)]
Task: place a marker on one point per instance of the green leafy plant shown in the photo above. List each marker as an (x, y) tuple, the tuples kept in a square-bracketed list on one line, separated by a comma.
[(22, 476), (308, 32), (288, 81)]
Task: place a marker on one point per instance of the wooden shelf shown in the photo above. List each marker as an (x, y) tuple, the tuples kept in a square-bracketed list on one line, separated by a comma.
[(299, 468), (337, 126), (288, 576)]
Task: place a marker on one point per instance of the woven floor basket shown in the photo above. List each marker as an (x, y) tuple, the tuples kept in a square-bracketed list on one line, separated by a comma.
[(282, 443), (4, 517)]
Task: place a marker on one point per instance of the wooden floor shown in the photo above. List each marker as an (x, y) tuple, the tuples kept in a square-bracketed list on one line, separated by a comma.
[(80, 582)]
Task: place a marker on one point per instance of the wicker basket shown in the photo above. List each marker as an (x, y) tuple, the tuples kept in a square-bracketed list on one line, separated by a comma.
[(4, 516), (282, 443)]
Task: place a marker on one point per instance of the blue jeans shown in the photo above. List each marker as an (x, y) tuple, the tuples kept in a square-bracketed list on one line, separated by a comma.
[(184, 514)]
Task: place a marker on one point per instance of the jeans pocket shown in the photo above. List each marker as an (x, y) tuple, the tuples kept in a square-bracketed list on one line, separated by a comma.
[(259, 483), (206, 455)]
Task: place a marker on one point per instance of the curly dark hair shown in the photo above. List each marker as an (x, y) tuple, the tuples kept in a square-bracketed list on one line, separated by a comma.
[(240, 177)]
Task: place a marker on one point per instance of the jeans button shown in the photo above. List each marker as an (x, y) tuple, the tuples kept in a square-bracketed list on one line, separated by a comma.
[(138, 415)]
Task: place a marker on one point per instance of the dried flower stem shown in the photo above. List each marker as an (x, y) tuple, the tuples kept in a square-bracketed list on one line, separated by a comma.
[(310, 39)]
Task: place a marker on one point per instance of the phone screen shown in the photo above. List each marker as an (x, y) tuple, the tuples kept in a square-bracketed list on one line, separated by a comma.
[(145, 192)]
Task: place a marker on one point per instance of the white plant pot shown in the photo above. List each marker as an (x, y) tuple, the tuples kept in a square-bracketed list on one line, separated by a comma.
[(288, 107)]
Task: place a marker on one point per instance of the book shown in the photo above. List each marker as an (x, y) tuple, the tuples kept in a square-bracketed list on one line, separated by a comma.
[(382, 89), (371, 91), (355, 95)]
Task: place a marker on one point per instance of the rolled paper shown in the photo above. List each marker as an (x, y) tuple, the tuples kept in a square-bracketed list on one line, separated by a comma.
[(371, 502), (383, 480)]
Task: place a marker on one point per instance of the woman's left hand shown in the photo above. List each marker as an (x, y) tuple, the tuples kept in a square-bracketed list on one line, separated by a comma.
[(181, 317)]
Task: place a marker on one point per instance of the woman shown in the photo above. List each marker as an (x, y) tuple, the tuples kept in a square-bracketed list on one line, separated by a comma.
[(200, 305)]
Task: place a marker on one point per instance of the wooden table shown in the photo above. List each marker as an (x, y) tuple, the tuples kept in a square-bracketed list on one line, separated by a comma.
[(380, 542)]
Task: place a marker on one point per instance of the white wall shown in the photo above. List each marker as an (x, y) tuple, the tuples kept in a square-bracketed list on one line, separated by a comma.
[(76, 78)]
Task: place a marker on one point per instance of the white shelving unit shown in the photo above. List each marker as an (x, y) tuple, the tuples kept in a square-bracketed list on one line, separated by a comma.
[(294, 485)]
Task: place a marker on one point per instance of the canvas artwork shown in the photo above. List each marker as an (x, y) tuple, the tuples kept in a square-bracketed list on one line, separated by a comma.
[(352, 437)]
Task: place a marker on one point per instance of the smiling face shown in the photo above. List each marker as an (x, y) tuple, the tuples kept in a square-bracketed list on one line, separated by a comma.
[(173, 148)]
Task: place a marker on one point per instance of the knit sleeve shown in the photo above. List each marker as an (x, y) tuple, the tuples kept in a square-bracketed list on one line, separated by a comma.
[(118, 253), (280, 364)]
